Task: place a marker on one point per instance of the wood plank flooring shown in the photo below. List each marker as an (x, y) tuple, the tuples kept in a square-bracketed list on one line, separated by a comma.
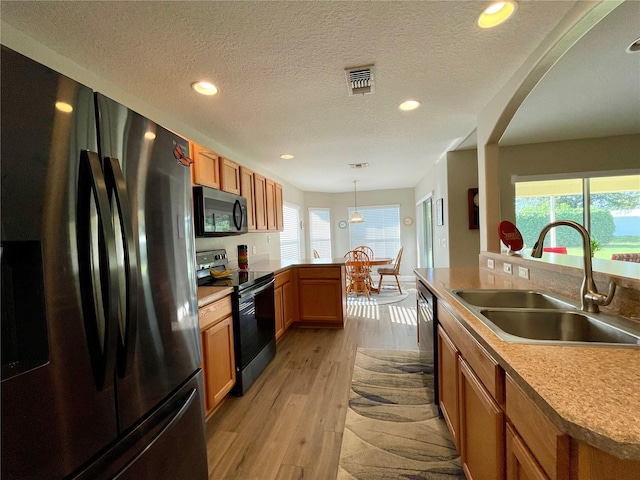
[(289, 424)]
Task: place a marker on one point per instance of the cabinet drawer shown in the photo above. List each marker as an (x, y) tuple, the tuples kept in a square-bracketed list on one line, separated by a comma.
[(282, 278), (548, 444), (214, 312), (319, 272), (485, 367)]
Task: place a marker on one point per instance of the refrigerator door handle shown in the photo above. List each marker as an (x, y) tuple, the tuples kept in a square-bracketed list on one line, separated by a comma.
[(97, 268), (177, 415), (127, 259)]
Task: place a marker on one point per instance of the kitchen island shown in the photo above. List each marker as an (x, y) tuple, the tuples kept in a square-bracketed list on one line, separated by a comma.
[(590, 393)]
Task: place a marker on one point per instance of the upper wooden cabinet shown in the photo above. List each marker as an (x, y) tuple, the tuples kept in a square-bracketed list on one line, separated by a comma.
[(274, 204), (279, 208), (206, 166), (260, 201), (271, 205), (229, 176), (247, 190)]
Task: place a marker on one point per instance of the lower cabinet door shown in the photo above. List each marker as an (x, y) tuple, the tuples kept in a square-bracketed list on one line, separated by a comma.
[(481, 429), (448, 383), (219, 362), (520, 463)]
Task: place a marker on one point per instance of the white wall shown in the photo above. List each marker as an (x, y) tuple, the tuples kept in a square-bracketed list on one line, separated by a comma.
[(572, 156), (464, 244), (339, 204), (434, 183)]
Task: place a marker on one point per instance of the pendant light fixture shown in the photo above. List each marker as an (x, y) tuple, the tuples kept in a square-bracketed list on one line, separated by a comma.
[(355, 216)]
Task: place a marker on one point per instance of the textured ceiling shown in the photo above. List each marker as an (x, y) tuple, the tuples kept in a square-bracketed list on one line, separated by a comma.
[(280, 70)]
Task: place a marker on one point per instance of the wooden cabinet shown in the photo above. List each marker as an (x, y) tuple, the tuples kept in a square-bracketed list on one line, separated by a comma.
[(206, 166), (482, 443), (247, 190), (279, 204), (322, 296), (548, 446), (286, 301), (521, 465), (229, 176), (274, 205), (218, 361), (260, 201), (472, 408), (500, 431), (448, 383), (271, 205)]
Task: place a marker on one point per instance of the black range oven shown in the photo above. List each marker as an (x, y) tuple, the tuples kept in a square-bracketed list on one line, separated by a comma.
[(254, 325)]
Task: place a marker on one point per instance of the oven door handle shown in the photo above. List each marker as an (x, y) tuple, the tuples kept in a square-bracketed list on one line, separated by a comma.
[(253, 292)]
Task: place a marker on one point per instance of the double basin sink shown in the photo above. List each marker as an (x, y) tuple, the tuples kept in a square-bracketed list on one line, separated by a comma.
[(526, 316)]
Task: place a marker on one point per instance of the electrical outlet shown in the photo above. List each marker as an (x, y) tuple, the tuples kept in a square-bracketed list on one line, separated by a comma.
[(254, 249), (490, 264), (523, 272), (507, 268)]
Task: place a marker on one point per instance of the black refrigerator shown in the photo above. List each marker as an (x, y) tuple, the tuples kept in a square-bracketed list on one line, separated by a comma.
[(100, 341)]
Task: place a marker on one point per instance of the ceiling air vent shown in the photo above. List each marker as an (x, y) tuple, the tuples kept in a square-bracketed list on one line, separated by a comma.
[(358, 165), (360, 80)]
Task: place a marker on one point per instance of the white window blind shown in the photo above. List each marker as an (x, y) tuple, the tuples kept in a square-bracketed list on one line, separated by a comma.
[(290, 236), (320, 231), (380, 230)]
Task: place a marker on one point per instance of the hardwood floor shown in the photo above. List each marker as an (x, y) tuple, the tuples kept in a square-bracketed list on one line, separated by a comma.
[(289, 424)]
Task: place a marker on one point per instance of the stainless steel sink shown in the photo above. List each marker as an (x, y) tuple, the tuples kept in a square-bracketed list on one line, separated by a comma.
[(535, 317), (512, 299), (557, 326)]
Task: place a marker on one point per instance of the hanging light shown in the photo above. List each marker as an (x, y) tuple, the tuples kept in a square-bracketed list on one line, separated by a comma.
[(355, 216)]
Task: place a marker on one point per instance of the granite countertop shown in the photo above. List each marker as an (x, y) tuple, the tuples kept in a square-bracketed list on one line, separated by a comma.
[(591, 393), (207, 295)]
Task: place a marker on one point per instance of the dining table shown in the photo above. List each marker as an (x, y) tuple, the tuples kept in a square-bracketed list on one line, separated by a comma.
[(359, 286)]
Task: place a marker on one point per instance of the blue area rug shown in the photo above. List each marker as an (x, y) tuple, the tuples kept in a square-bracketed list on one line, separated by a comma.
[(392, 428)]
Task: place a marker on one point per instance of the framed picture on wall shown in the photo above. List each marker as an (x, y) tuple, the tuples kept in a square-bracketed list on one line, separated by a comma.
[(439, 212)]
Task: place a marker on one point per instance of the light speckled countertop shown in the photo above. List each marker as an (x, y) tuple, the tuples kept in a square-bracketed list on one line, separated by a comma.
[(591, 393)]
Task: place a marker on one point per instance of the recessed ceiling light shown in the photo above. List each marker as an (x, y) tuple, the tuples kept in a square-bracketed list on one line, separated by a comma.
[(286, 156), (64, 107), (205, 88), (496, 13), (409, 105), (634, 47)]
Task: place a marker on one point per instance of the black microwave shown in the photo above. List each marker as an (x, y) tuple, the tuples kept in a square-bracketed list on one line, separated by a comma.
[(218, 213)]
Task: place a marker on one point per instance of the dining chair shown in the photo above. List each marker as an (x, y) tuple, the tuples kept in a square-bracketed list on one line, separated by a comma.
[(316, 254), (369, 252), (395, 270), (357, 272)]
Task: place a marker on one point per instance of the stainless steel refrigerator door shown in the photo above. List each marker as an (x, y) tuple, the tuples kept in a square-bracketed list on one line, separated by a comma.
[(55, 413), (168, 444), (166, 347)]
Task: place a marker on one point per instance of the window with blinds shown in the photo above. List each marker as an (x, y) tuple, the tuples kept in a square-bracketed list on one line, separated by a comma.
[(290, 236), (380, 230), (320, 231)]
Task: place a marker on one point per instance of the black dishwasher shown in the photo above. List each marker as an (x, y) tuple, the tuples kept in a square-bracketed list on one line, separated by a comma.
[(428, 332)]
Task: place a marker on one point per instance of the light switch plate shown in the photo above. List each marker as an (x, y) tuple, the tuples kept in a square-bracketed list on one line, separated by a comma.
[(523, 272), (507, 268)]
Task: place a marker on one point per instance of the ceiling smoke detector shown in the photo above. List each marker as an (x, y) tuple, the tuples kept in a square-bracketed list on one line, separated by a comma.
[(360, 80), (358, 165)]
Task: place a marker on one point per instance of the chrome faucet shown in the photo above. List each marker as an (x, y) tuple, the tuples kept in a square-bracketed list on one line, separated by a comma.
[(589, 296)]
